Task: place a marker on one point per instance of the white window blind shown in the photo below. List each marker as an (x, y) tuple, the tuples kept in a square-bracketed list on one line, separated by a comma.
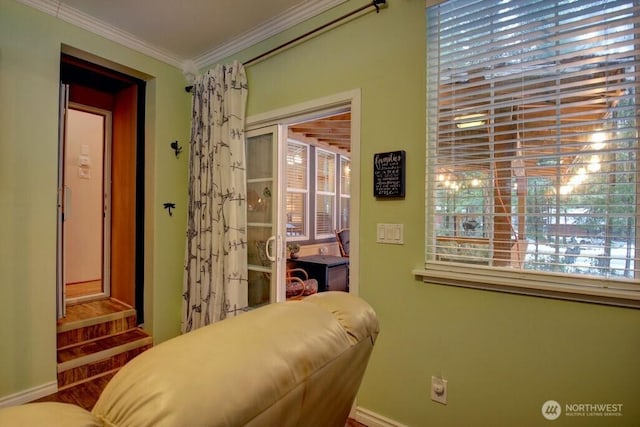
[(345, 192), (532, 145), (325, 193), (297, 190)]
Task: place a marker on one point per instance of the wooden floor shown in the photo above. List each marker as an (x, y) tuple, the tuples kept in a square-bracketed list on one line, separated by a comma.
[(75, 290), (84, 395), (353, 423), (91, 310)]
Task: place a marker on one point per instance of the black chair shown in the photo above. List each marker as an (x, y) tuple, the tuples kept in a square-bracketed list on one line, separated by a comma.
[(343, 241)]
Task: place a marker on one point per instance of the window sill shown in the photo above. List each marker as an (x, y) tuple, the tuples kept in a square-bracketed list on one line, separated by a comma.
[(538, 284)]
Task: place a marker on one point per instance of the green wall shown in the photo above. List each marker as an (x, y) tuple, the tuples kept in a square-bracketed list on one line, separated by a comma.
[(503, 355), (30, 45)]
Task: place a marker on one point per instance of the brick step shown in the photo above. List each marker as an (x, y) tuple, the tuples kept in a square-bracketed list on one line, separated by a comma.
[(91, 359), (93, 320)]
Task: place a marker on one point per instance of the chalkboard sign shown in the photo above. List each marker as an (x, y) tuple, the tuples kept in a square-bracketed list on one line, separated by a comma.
[(388, 174)]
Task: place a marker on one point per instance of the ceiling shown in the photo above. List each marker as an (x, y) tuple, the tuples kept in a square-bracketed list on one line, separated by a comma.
[(333, 133), (188, 33)]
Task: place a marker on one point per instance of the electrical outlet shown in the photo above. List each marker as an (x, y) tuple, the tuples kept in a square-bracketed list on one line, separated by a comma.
[(439, 390)]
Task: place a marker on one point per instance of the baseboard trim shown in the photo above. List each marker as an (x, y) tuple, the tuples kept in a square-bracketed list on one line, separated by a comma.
[(371, 419), (29, 395)]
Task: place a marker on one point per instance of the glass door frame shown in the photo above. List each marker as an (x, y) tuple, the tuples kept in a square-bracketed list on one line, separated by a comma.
[(276, 242)]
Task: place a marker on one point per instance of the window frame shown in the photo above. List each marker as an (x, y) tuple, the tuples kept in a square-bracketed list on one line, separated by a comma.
[(331, 194), (306, 192), (344, 195), (623, 292)]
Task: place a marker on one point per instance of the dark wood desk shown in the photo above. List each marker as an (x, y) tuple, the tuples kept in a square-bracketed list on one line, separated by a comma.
[(331, 272)]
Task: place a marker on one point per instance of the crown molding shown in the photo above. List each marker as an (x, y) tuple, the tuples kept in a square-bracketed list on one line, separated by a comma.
[(291, 17), (89, 23)]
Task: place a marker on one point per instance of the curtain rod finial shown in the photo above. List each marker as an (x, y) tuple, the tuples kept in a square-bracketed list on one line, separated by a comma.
[(378, 4), (190, 72)]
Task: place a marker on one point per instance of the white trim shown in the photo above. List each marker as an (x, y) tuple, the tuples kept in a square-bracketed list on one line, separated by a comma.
[(289, 18), (371, 419), (29, 395), (308, 110), (101, 28), (534, 283)]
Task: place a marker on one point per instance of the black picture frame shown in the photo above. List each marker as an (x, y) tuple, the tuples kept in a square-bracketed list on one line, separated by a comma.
[(389, 174)]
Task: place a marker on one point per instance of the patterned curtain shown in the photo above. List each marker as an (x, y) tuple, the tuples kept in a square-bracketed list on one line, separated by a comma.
[(215, 278)]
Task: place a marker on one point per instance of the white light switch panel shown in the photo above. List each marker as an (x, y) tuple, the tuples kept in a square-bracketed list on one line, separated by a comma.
[(390, 233)]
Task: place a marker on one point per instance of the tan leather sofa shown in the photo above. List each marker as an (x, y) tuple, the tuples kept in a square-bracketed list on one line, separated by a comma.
[(297, 363)]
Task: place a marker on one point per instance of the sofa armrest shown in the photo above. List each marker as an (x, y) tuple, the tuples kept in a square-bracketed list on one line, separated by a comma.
[(356, 316)]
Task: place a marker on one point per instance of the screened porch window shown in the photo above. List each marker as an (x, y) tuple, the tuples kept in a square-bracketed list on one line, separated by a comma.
[(532, 147), (297, 190), (345, 192), (325, 193)]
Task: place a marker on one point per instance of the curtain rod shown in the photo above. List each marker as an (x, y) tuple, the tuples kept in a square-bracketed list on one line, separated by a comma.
[(374, 3)]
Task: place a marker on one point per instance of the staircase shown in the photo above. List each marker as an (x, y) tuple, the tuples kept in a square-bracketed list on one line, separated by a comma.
[(95, 339)]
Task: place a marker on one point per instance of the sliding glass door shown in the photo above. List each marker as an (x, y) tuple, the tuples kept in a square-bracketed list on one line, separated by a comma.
[(266, 260)]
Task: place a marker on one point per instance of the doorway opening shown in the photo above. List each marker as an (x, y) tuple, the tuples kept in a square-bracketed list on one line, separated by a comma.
[(310, 192), (101, 185), (87, 174)]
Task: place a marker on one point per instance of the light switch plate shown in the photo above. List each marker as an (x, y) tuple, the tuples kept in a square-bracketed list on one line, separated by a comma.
[(390, 233)]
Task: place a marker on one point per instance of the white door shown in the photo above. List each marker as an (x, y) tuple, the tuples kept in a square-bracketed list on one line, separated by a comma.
[(265, 236)]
